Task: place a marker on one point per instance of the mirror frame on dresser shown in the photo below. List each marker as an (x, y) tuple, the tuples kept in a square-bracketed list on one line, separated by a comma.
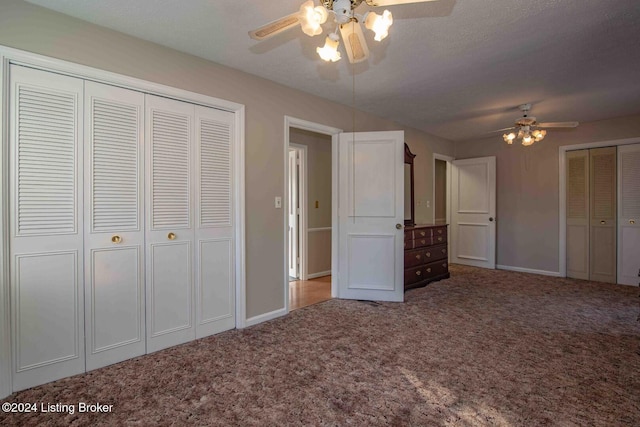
[(408, 159)]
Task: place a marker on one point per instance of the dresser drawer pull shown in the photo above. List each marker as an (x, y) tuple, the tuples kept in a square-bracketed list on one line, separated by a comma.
[(418, 256), (440, 231), (444, 265), (423, 241), (439, 239), (422, 233), (418, 273), (444, 251), (428, 270), (428, 254)]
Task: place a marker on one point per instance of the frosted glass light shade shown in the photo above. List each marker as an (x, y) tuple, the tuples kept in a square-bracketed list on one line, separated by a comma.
[(329, 52), (311, 18), (379, 24), (508, 138)]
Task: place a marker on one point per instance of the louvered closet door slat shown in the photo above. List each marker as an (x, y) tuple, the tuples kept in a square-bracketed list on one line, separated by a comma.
[(577, 179), (215, 281), (629, 215), (170, 232), (602, 236), (46, 244), (114, 239)]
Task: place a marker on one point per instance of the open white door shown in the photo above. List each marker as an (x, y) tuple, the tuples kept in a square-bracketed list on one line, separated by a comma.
[(370, 216), (473, 206), (293, 214)]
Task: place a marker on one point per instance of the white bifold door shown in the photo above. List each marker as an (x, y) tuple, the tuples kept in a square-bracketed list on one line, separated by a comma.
[(629, 214), (121, 224), (190, 280)]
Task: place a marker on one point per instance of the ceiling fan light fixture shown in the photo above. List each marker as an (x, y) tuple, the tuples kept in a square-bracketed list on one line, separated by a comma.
[(509, 137), (311, 18), (379, 24), (539, 134), (329, 52), (527, 139)]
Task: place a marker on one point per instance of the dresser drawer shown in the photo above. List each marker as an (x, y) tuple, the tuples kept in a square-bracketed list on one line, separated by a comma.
[(421, 233), (420, 243), (408, 235), (414, 258), (435, 253), (413, 275), (440, 239), (434, 269)]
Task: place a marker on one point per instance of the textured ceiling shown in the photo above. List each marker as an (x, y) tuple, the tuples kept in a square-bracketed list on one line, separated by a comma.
[(457, 69)]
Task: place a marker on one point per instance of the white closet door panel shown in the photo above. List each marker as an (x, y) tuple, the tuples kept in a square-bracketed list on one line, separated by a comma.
[(629, 215), (170, 228), (170, 299), (46, 242), (215, 281), (602, 215), (114, 234), (577, 178)]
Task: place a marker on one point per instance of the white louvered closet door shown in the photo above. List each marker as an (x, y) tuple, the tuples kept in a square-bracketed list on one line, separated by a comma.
[(46, 226), (629, 214), (215, 278), (114, 225), (602, 201), (170, 223), (578, 214)]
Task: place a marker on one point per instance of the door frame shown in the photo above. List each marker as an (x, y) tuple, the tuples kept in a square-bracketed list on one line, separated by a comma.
[(303, 189), (293, 122), (562, 211), (9, 56), (448, 160)]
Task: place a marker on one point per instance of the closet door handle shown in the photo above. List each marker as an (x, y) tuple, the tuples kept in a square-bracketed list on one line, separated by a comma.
[(631, 221), (171, 236), (603, 222), (116, 239)]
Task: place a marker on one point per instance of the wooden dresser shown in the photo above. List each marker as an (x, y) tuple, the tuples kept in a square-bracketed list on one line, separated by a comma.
[(425, 255)]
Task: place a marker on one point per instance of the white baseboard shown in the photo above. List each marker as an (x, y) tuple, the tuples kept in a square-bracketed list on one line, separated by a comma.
[(320, 274), (265, 317), (529, 270)]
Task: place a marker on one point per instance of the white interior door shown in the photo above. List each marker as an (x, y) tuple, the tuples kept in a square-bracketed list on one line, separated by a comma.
[(114, 225), (473, 216), (214, 234), (46, 226), (370, 216), (293, 214), (629, 214), (170, 234)]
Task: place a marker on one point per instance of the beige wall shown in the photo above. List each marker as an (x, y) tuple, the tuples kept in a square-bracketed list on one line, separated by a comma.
[(440, 195), (39, 30), (318, 189), (528, 189)]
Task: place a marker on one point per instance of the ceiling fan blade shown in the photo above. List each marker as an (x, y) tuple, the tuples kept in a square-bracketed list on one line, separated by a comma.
[(502, 130), (354, 42), (393, 2), (275, 27), (558, 125)]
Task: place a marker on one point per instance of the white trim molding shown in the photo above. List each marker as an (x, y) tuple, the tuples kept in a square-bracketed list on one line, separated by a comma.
[(319, 274), (15, 56), (528, 270), (303, 193), (562, 214), (318, 229), (252, 321)]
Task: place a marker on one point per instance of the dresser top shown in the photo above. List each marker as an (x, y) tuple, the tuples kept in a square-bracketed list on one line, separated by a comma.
[(420, 226)]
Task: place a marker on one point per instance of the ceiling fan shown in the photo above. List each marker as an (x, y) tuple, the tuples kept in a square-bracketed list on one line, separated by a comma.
[(311, 17), (529, 130)]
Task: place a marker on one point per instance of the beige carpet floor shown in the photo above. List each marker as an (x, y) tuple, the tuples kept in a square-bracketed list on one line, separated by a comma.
[(481, 348)]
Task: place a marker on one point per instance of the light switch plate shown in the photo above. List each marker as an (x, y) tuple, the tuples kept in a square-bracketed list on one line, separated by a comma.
[(278, 202)]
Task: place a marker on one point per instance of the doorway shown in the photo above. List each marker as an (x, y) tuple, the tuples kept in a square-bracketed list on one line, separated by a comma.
[(442, 192), (309, 219)]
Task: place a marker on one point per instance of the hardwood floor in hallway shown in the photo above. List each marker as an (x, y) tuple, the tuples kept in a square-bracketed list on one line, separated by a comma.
[(307, 292)]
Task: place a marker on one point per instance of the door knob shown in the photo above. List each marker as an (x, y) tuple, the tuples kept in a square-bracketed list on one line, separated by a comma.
[(399, 226), (171, 236), (631, 221), (603, 222), (116, 239), (490, 219)]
